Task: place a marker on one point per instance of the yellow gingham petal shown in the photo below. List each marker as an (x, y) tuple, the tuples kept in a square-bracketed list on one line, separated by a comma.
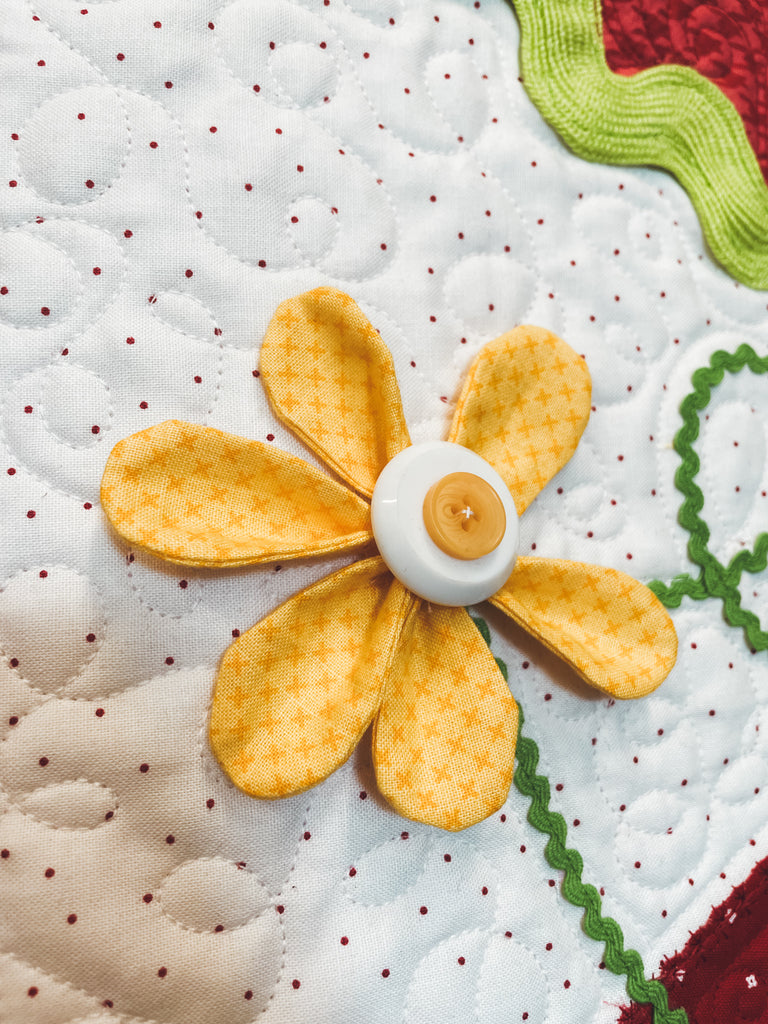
[(197, 496), (296, 692), (444, 740), (611, 629), (523, 407), (331, 378)]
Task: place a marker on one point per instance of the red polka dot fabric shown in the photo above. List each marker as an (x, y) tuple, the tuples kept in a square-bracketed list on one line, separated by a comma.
[(172, 172)]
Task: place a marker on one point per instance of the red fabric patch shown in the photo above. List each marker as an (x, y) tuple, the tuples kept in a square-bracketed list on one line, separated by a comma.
[(726, 41), (722, 974)]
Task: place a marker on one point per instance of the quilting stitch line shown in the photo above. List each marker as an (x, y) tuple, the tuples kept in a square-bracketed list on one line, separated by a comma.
[(618, 960), (715, 579)]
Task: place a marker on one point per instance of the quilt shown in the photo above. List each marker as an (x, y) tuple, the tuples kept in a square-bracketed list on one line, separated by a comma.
[(174, 171)]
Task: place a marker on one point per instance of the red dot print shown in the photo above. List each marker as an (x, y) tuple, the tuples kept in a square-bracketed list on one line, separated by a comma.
[(198, 380), (300, 168), (188, 273), (32, 992), (162, 972), (49, 872), (72, 918), (170, 840), (447, 858), (248, 994), (43, 762), (352, 872), (121, 56), (169, 661), (566, 984), (423, 911), (199, 214), (13, 720), (385, 973), (344, 940), (41, 63), (153, 145), (147, 897), (130, 341), (45, 311), (307, 835), (95, 429), (89, 183), (210, 802), (157, 24), (143, 405), (99, 712), (144, 768), (262, 263), (31, 514), (296, 983), (461, 961), (169, 85), (5, 854), (90, 637), (14, 663), (484, 890)]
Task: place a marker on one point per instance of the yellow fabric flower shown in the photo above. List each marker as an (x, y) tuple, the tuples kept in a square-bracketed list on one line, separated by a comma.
[(295, 693)]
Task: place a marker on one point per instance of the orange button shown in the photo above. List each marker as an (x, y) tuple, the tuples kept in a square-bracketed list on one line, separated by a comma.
[(464, 516)]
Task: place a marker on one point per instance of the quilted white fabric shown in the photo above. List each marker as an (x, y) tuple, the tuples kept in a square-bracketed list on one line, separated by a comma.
[(172, 170)]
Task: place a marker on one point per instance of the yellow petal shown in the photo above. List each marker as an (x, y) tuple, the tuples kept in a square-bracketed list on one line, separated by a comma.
[(331, 378), (296, 692), (444, 740), (524, 407), (611, 629), (196, 496)]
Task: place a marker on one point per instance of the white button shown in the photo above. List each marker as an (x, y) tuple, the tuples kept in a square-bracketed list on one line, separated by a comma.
[(401, 534)]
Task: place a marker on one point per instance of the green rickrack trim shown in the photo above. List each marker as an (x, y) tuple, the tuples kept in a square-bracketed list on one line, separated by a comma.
[(715, 579), (668, 116), (602, 929)]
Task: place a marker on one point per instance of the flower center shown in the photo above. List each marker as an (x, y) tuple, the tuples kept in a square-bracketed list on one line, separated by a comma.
[(445, 523), (464, 516)]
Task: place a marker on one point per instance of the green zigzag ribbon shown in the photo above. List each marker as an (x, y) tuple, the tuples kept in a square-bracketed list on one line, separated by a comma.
[(715, 579), (617, 959), (669, 116)]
